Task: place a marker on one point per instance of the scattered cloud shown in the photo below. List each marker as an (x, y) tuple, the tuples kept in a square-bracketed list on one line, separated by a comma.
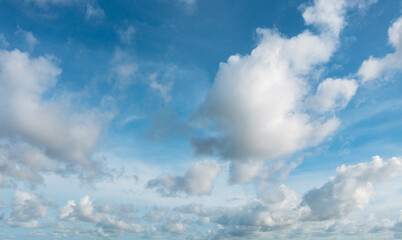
[(94, 13), (156, 214), (3, 41), (373, 68), (189, 6), (262, 108), (29, 38), (26, 209), (198, 180), (163, 89), (260, 171), (111, 218), (46, 3), (332, 94), (127, 35), (124, 69), (350, 189)]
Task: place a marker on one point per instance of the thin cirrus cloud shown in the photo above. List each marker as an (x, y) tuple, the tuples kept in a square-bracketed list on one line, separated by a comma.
[(94, 13), (29, 38)]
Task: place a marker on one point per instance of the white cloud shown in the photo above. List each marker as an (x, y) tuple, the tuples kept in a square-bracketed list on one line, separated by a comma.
[(189, 6), (163, 89), (198, 180), (281, 209), (94, 13), (258, 107), (3, 41), (124, 69), (375, 67), (46, 3), (256, 100), (20, 160), (332, 94), (246, 171), (327, 15), (108, 216), (127, 36), (175, 227), (156, 214), (48, 129), (29, 38), (350, 189), (26, 209)]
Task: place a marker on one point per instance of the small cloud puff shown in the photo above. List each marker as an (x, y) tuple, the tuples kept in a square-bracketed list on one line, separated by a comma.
[(198, 180)]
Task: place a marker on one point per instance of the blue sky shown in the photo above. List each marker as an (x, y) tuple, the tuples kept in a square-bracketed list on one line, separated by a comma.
[(200, 119)]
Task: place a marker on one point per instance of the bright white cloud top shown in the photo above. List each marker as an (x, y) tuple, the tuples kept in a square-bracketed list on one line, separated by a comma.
[(161, 120)]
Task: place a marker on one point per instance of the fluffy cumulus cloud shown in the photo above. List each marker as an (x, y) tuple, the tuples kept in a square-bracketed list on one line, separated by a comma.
[(350, 189), (327, 15), (37, 133), (332, 94), (26, 209), (320, 212), (279, 210), (198, 180), (374, 68), (111, 218), (260, 104)]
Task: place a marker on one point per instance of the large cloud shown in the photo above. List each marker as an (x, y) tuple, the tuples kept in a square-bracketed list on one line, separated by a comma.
[(198, 180), (262, 105), (39, 132), (375, 67)]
